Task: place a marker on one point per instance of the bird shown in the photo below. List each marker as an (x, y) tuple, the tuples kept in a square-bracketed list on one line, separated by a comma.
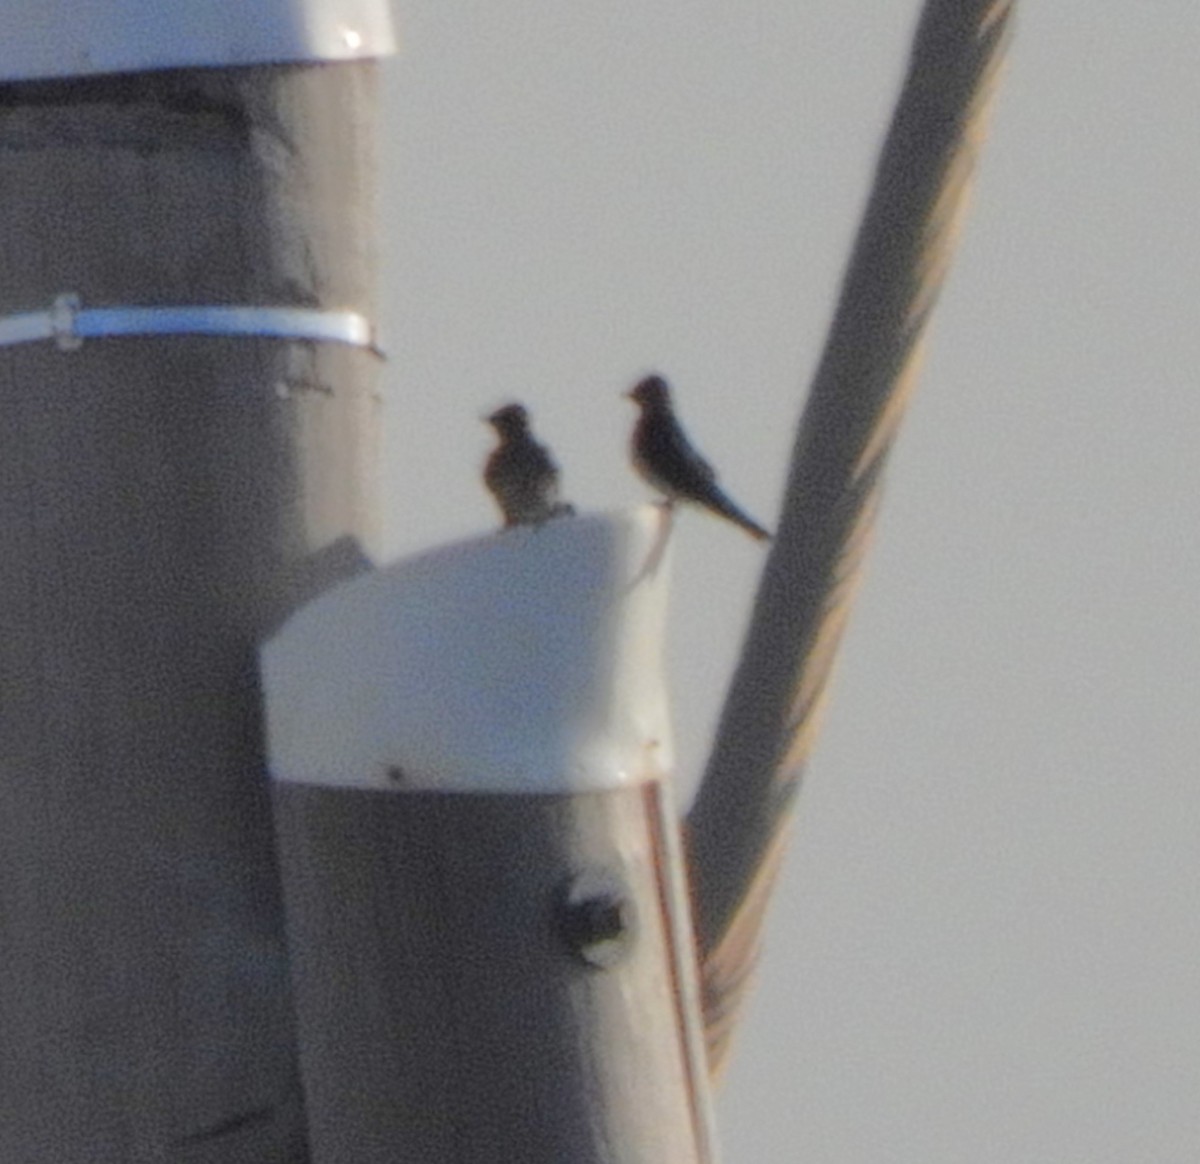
[(520, 473), (663, 455)]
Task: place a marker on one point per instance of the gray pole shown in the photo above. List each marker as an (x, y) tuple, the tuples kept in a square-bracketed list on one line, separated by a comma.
[(163, 501), (487, 916), (493, 977)]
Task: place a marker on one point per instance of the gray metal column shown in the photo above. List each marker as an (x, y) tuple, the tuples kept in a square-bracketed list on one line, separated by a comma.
[(163, 501)]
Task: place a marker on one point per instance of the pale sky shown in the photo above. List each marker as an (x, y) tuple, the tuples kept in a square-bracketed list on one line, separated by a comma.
[(986, 940)]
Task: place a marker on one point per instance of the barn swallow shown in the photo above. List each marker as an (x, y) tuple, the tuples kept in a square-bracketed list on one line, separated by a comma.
[(520, 473), (664, 456)]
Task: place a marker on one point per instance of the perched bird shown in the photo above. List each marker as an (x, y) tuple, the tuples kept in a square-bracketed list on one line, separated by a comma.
[(520, 473), (664, 456)]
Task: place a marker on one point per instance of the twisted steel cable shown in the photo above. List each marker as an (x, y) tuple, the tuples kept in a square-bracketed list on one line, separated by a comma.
[(738, 825)]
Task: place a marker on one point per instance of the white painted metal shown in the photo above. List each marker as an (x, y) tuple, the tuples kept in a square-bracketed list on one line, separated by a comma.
[(67, 38), (529, 660), (69, 324)]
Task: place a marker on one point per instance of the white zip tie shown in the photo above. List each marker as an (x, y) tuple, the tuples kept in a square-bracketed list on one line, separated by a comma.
[(68, 324)]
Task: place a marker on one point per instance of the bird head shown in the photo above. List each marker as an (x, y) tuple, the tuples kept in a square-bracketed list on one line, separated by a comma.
[(509, 420), (649, 392)]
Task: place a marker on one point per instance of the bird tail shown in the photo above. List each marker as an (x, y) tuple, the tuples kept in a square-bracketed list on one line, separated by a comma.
[(727, 509)]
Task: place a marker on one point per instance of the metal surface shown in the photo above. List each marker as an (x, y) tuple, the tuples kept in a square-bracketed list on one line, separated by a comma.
[(70, 38), (527, 660), (444, 1019), (162, 505), (69, 324)]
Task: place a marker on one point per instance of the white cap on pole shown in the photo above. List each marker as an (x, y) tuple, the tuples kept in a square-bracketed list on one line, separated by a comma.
[(71, 38), (529, 660)]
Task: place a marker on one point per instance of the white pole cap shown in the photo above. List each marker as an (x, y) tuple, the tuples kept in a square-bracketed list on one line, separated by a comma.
[(530, 660), (72, 38)]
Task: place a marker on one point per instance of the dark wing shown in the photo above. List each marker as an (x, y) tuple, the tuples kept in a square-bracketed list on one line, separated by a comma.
[(673, 456)]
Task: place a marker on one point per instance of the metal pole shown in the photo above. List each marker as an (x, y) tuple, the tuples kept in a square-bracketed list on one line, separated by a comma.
[(490, 932), (164, 500), (486, 978)]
